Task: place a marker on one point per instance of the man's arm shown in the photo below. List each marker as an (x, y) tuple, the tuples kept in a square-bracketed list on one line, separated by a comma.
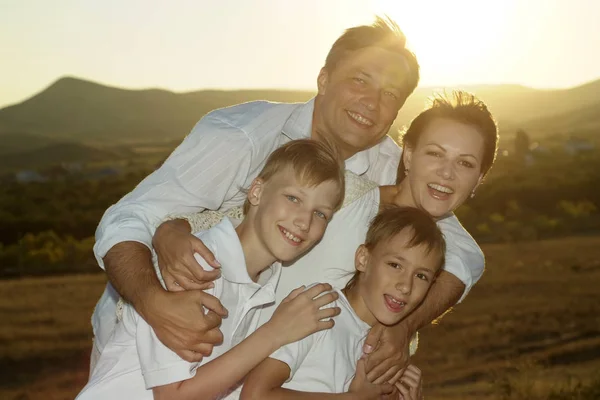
[(168, 313)]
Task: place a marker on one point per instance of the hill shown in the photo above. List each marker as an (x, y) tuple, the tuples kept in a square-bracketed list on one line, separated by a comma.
[(86, 112)]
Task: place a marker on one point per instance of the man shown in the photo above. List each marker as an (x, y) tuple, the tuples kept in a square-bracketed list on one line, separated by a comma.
[(367, 77)]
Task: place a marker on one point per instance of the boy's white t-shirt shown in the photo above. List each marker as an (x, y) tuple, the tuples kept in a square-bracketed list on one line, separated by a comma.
[(134, 360), (326, 361)]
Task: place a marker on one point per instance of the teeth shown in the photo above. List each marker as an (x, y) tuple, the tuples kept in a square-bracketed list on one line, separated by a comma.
[(440, 188), (291, 237), (397, 301), (360, 119)]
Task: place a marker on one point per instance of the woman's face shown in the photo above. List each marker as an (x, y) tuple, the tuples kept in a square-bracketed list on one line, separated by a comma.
[(444, 167)]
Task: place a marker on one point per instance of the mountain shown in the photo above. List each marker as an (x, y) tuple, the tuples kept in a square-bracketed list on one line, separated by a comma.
[(76, 110)]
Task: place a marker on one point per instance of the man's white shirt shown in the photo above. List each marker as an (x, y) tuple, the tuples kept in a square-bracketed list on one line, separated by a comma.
[(221, 156), (134, 360)]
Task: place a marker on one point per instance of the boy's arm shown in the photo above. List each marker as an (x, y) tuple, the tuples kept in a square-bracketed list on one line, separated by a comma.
[(298, 316), (265, 381)]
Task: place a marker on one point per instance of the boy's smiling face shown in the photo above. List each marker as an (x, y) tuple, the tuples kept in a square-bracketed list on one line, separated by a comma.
[(291, 217), (394, 278)]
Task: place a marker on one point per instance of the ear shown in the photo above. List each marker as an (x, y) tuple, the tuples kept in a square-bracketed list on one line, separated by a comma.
[(361, 258), (322, 81), (255, 191), (407, 153)]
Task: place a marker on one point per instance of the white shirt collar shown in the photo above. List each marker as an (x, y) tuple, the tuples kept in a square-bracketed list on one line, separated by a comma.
[(233, 262), (299, 126)]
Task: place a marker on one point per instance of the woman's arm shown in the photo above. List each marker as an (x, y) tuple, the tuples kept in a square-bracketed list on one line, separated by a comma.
[(299, 315), (265, 381)]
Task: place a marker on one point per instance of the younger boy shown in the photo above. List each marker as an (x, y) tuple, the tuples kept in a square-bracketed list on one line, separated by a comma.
[(288, 208), (395, 267)]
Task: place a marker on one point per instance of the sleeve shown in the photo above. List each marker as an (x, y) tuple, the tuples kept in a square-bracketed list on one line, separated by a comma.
[(294, 354), (207, 168), (464, 258)]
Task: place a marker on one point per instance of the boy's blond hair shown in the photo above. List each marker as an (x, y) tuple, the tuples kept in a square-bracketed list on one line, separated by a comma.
[(313, 162)]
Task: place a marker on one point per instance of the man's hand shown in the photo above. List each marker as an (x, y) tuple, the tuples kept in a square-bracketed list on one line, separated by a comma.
[(180, 322), (175, 247), (364, 389), (388, 350)]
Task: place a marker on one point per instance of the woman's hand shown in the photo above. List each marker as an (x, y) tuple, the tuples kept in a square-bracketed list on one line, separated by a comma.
[(175, 247), (410, 384), (363, 389), (300, 314), (389, 352)]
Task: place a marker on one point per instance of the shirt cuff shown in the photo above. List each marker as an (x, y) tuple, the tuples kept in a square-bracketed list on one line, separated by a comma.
[(106, 239)]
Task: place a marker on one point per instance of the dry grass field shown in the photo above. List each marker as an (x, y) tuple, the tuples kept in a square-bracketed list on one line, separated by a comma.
[(529, 328)]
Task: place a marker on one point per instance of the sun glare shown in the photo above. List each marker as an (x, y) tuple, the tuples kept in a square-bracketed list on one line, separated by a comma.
[(451, 38)]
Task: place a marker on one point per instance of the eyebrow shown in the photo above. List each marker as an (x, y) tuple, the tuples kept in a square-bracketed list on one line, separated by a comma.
[(365, 73), (444, 150), (418, 268)]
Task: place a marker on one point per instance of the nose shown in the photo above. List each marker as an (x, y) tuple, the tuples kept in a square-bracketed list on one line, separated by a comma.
[(370, 99), (446, 170), (302, 220), (405, 286)]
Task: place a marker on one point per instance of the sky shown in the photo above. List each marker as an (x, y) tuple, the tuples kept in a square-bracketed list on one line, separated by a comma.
[(185, 45)]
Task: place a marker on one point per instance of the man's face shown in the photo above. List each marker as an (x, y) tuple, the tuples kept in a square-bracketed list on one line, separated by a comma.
[(359, 99)]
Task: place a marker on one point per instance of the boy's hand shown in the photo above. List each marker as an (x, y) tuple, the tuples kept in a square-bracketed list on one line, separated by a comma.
[(389, 352), (180, 322), (300, 314), (410, 384), (366, 390), (175, 247)]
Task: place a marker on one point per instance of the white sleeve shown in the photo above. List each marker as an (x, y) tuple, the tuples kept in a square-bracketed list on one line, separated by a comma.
[(210, 166), (295, 353), (464, 258)]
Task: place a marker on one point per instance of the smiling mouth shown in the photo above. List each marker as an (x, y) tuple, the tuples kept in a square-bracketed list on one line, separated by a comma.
[(361, 120), (291, 238), (393, 303), (439, 192)]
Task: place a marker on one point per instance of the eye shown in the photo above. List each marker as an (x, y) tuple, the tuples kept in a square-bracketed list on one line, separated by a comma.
[(394, 265), (391, 95), (423, 277), (359, 80), (433, 153), (291, 198), (321, 215), (467, 164)]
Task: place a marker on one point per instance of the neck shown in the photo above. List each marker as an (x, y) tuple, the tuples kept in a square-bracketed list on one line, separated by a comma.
[(320, 133), (358, 304), (257, 256)]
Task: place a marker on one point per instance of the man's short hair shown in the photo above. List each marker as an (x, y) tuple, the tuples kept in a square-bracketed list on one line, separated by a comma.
[(383, 33), (313, 163), (392, 220), (460, 106)]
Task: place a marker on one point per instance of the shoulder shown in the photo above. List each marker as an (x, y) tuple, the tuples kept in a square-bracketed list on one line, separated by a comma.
[(383, 161), (248, 117), (455, 232)]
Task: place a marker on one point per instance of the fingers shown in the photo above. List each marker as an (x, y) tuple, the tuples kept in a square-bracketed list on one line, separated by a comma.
[(396, 377), (171, 282), (211, 302), (204, 252), (411, 377), (388, 375), (317, 290), (325, 299), (294, 293), (372, 340), (328, 312), (190, 356), (378, 368)]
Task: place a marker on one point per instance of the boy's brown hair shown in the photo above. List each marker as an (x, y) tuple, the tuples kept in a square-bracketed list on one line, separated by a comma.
[(313, 162), (393, 220)]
